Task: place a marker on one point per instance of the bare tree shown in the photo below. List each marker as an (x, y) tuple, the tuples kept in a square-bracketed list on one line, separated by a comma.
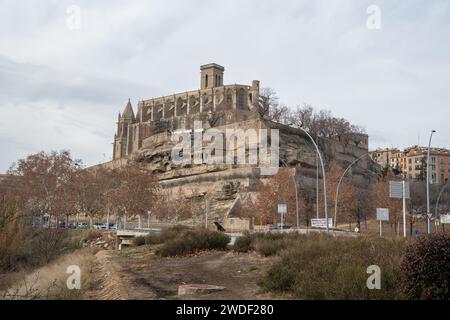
[(268, 100), (323, 123), (137, 192), (43, 177)]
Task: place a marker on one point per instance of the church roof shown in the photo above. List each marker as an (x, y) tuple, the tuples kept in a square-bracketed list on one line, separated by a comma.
[(128, 111)]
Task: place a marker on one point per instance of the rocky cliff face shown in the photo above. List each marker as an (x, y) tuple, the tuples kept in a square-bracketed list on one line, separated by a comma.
[(221, 183)]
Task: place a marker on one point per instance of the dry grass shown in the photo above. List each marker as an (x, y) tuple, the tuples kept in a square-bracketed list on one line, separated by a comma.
[(322, 267), (49, 282)]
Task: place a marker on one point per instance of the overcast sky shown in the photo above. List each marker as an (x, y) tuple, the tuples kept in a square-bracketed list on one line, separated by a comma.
[(61, 87)]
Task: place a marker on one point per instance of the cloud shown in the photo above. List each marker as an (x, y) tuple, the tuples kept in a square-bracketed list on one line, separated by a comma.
[(62, 89)]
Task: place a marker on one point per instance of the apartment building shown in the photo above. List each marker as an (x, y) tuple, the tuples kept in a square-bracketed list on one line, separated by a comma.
[(412, 162)]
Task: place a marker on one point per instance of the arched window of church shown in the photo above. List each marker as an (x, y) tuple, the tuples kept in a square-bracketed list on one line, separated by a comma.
[(241, 99), (206, 81)]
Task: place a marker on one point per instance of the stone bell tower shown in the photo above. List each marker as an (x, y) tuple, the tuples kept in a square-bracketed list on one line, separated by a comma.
[(211, 76)]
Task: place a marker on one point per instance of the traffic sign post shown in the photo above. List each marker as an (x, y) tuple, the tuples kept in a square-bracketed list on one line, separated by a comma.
[(382, 215), (149, 213), (400, 190), (445, 219), (282, 210)]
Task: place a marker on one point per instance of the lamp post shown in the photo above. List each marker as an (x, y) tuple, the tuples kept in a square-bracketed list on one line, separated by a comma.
[(317, 187), (428, 183), (296, 196), (323, 174), (339, 185), (439, 197)]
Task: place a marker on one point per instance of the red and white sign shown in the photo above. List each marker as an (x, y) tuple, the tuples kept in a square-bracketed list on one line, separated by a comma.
[(321, 223)]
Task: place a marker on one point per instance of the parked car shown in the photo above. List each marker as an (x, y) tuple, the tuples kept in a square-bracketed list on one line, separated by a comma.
[(82, 225), (113, 226), (98, 226), (104, 226)]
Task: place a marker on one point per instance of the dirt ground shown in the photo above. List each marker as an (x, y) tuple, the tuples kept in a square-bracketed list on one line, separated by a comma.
[(135, 273)]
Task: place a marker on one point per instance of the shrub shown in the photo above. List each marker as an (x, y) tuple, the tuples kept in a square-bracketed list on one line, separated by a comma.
[(191, 241), (322, 267), (267, 244), (172, 233), (426, 268), (165, 235), (270, 247), (139, 241), (39, 247), (243, 243), (47, 244), (153, 238)]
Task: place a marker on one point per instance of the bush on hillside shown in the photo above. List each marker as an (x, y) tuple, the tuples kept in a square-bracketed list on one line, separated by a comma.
[(322, 267), (426, 268), (191, 241)]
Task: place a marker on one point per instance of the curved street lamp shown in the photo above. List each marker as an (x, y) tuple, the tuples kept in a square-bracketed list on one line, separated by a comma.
[(428, 182), (324, 176), (296, 195), (439, 197), (339, 184)]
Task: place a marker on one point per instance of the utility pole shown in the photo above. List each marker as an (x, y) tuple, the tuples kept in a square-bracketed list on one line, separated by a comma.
[(296, 200), (317, 186), (323, 174), (339, 184), (404, 208), (296, 194), (206, 212)]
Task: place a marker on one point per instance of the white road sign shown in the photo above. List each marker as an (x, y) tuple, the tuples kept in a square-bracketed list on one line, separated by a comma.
[(445, 219), (382, 214), (282, 208), (396, 190), (321, 223)]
